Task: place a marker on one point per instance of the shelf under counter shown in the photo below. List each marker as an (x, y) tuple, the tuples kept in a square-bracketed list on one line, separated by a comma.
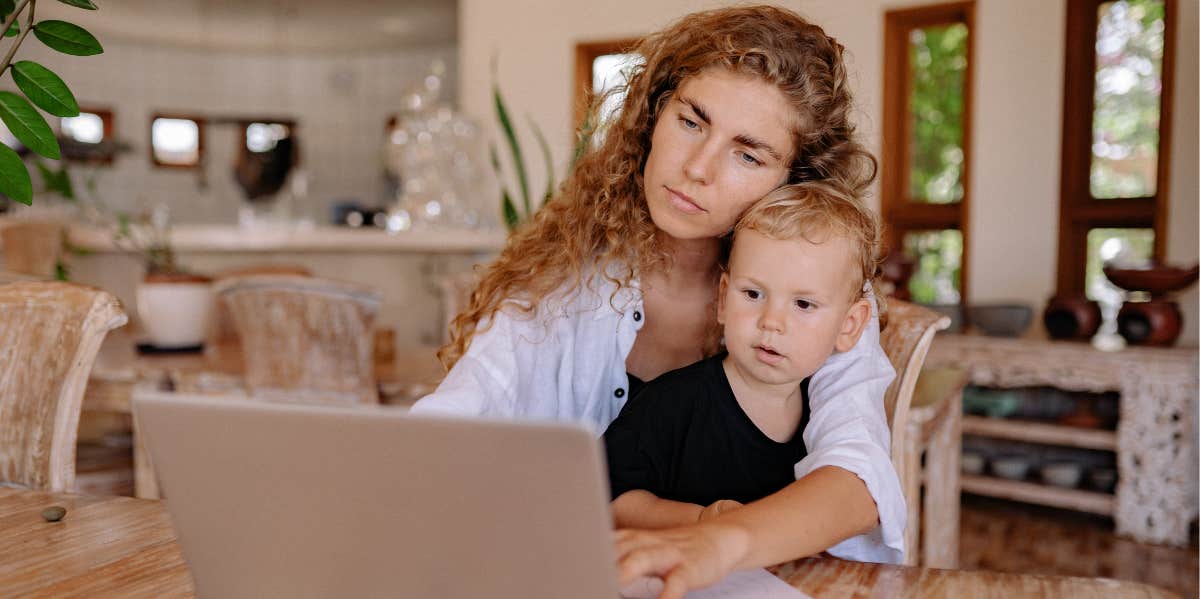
[(1039, 432), (231, 238), (1074, 499)]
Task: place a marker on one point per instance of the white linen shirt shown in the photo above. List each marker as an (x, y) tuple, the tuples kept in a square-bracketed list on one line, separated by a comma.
[(567, 363)]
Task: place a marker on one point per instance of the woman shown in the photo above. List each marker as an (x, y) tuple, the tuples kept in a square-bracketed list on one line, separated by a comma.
[(614, 282)]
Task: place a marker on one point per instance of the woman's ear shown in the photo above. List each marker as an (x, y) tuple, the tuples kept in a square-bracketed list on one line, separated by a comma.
[(721, 298), (856, 320)]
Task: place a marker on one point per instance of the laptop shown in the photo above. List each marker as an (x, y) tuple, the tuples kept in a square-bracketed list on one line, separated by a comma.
[(281, 500)]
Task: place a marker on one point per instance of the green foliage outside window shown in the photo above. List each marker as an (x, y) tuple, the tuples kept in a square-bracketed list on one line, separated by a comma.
[(1129, 53), (938, 256), (937, 67)]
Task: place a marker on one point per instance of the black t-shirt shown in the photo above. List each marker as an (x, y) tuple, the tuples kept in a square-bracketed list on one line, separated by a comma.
[(684, 437)]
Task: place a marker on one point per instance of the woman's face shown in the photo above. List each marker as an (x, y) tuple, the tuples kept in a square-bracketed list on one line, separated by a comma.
[(722, 142)]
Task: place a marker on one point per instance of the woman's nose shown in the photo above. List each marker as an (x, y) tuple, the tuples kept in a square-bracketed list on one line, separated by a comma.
[(700, 163)]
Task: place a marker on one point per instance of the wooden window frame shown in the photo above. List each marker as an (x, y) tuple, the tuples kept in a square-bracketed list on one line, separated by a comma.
[(106, 117), (199, 120), (899, 212), (586, 53), (1079, 212)]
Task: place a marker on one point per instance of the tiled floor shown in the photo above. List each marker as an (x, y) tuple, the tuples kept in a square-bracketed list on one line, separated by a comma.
[(1015, 537)]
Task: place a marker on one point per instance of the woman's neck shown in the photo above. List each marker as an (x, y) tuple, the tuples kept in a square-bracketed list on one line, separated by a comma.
[(692, 261)]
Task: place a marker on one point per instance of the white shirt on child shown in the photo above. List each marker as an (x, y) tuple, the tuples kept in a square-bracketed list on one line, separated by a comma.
[(567, 363)]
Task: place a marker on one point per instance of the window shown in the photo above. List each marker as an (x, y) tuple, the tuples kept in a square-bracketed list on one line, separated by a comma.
[(926, 123), (176, 141), (1116, 109), (600, 66), (88, 138)]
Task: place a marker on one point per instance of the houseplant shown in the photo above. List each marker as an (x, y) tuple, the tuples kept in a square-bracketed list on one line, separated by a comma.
[(40, 85)]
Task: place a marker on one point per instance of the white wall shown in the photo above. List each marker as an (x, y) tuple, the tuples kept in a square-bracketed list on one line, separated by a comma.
[(340, 101), (1013, 215)]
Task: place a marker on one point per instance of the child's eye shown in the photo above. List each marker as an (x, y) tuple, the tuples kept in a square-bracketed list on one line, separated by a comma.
[(752, 293), (750, 160), (804, 304)]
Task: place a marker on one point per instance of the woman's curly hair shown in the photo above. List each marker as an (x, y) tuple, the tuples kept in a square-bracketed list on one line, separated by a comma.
[(599, 215)]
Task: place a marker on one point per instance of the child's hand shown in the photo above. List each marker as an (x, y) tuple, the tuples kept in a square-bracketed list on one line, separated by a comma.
[(717, 508), (685, 558)]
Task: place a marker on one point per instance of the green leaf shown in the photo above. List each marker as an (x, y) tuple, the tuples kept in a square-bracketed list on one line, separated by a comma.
[(511, 217), (44, 88), (67, 38), (513, 146), (61, 272), (13, 31), (27, 125), (14, 179), (545, 147), (7, 6), (84, 4)]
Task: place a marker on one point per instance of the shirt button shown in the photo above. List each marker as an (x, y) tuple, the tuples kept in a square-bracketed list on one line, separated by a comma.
[(637, 316), (619, 392)]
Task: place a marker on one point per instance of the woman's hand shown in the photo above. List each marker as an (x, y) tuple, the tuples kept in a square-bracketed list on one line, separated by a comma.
[(717, 508), (684, 558)]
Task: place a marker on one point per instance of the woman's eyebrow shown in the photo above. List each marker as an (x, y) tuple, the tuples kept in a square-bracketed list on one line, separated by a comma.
[(755, 144), (695, 108)]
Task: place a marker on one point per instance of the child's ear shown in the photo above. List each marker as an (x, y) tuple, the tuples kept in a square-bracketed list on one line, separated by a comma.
[(857, 318), (721, 298)]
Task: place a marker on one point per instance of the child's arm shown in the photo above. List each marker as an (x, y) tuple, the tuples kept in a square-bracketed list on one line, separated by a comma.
[(805, 518), (643, 509)]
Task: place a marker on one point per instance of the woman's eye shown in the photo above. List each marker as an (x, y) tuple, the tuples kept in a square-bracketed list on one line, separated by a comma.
[(688, 123), (750, 160), (804, 304), (752, 293)]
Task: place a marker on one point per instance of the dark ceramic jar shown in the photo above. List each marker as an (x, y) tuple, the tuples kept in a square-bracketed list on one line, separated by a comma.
[(1071, 317)]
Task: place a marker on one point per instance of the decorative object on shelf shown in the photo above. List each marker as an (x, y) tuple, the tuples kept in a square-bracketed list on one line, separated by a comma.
[(1157, 321), (1102, 479), (1072, 318), (895, 271), (261, 175), (973, 462), (1011, 466), (990, 402), (1062, 474), (1000, 320), (436, 155)]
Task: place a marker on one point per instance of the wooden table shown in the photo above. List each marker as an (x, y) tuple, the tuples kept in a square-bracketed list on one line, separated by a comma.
[(119, 368), (123, 547)]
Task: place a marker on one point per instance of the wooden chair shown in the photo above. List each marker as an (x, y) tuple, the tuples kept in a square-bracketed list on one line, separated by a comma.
[(935, 430), (31, 248), (50, 333), (906, 340), (304, 339), (221, 334)]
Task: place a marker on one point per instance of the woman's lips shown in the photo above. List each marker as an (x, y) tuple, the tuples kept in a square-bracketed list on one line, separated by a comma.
[(683, 203)]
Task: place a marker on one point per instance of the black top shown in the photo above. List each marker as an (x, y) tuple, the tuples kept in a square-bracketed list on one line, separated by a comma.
[(684, 437)]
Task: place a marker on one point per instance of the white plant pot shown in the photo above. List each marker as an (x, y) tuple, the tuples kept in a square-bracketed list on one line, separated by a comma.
[(175, 314)]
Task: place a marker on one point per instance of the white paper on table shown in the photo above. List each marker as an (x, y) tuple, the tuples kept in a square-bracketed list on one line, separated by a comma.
[(745, 584)]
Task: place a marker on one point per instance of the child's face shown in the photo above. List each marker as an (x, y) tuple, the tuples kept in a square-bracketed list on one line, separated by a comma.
[(787, 305)]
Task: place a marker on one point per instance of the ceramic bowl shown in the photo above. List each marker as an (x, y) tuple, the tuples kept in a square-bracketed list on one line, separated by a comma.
[(1157, 279), (1000, 320), (973, 463), (1102, 479), (1014, 467), (1062, 474)]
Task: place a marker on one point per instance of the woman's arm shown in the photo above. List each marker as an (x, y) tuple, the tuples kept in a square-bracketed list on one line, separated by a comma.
[(806, 517)]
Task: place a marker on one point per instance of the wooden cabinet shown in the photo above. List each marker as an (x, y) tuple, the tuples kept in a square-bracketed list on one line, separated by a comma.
[(1155, 439)]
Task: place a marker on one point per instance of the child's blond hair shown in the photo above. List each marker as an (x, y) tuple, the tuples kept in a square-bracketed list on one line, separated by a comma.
[(817, 212)]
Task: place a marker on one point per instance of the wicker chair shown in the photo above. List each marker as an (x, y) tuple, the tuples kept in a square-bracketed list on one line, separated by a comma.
[(906, 340), (50, 333)]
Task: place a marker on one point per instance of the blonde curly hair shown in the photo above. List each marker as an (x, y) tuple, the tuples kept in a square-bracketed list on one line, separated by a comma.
[(599, 215)]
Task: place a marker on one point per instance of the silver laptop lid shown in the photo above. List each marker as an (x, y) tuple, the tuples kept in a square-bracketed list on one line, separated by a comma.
[(274, 500)]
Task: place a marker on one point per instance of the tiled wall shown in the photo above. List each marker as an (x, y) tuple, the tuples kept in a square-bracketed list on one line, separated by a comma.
[(340, 101)]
